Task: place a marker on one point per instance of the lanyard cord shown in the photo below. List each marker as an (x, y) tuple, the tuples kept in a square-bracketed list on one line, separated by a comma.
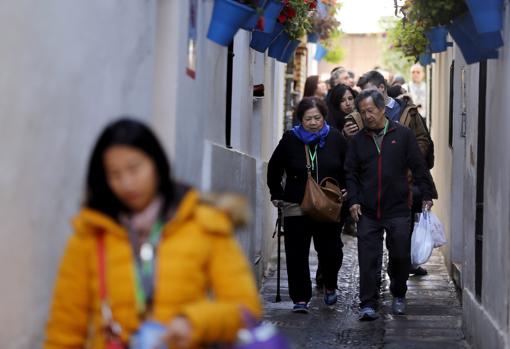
[(313, 156), (384, 133), (144, 267)]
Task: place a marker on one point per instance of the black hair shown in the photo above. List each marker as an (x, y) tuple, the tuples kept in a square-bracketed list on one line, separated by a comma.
[(133, 133), (395, 91), (336, 116), (336, 96), (311, 86), (376, 96), (309, 103), (373, 77)]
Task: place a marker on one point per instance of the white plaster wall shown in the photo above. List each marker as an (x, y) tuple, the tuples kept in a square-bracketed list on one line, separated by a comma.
[(487, 321), (458, 163), (443, 156), (62, 79)]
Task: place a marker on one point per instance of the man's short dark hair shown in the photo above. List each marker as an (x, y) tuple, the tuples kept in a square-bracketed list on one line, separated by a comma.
[(376, 96), (373, 77)]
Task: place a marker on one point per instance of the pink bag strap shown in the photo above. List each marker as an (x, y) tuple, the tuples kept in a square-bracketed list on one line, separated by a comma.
[(111, 326)]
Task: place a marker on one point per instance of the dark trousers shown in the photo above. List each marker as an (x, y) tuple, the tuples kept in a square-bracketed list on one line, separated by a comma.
[(298, 233), (370, 245)]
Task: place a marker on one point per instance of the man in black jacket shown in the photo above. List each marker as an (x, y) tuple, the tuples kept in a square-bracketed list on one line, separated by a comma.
[(377, 163)]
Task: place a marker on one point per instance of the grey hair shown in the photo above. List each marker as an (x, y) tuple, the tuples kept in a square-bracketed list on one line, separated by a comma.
[(335, 75), (376, 96)]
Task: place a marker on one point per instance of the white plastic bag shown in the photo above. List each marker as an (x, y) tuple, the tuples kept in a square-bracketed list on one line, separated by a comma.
[(437, 230), (422, 242)]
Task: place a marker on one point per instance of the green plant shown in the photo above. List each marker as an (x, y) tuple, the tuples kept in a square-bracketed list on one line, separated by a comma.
[(334, 46), (408, 37), (419, 16), (325, 26), (295, 16), (432, 13)]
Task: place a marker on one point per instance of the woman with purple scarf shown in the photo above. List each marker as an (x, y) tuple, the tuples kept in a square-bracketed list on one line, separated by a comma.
[(286, 179)]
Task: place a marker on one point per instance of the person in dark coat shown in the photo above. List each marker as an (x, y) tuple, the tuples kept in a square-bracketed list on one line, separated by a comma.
[(327, 149), (377, 164)]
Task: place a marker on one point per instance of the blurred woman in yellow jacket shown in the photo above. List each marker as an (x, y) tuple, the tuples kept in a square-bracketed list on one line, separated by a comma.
[(169, 253)]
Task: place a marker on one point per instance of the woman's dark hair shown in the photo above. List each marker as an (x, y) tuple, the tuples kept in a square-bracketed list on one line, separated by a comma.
[(311, 86), (309, 103), (336, 116), (133, 133)]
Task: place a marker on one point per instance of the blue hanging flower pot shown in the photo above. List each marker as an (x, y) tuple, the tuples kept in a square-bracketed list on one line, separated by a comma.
[(283, 47), (271, 12), (279, 45), (260, 41), (320, 52), (227, 18), (289, 51), (475, 47), (426, 58), (251, 23), (313, 37), (487, 14), (437, 39)]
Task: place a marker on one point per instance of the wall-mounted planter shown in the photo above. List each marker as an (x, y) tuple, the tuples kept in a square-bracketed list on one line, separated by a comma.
[(487, 14), (426, 58), (282, 48), (437, 39), (227, 18), (312, 37), (260, 41), (271, 12), (320, 52), (289, 51), (474, 46)]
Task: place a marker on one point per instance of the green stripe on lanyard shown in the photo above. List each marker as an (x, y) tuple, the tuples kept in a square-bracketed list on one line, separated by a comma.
[(146, 268), (384, 133), (313, 156)]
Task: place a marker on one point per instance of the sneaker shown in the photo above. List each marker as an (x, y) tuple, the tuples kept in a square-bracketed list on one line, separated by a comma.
[(301, 308), (398, 306), (368, 314), (330, 297), (419, 271)]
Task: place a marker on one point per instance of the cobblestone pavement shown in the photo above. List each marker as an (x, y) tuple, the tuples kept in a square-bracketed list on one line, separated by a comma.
[(433, 318)]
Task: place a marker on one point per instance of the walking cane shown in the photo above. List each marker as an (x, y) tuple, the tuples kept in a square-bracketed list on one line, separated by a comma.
[(278, 233)]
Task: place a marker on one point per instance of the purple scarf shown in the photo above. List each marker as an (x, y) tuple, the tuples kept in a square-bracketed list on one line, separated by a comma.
[(308, 137)]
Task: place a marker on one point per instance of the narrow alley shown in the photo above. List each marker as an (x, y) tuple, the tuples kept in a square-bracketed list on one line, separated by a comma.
[(123, 123), (434, 318)]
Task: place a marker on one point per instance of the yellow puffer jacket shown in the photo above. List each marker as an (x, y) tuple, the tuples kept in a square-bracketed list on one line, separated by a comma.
[(197, 257)]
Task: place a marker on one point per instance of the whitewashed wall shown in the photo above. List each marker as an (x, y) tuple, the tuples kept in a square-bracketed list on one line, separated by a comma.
[(67, 68), (486, 319)]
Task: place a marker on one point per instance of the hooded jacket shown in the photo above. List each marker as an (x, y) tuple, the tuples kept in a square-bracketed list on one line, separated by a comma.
[(378, 181), (197, 256)]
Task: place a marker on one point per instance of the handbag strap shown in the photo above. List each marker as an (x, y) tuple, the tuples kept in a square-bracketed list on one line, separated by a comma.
[(112, 327), (308, 165)]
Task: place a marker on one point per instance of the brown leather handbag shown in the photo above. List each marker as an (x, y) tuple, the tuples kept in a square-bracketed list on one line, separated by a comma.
[(322, 201)]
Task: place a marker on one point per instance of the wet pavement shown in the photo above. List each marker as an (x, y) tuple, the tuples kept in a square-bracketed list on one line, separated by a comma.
[(433, 320)]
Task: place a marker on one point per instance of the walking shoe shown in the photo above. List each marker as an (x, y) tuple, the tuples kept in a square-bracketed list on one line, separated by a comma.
[(419, 271), (368, 314), (330, 297), (301, 308), (398, 306)]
